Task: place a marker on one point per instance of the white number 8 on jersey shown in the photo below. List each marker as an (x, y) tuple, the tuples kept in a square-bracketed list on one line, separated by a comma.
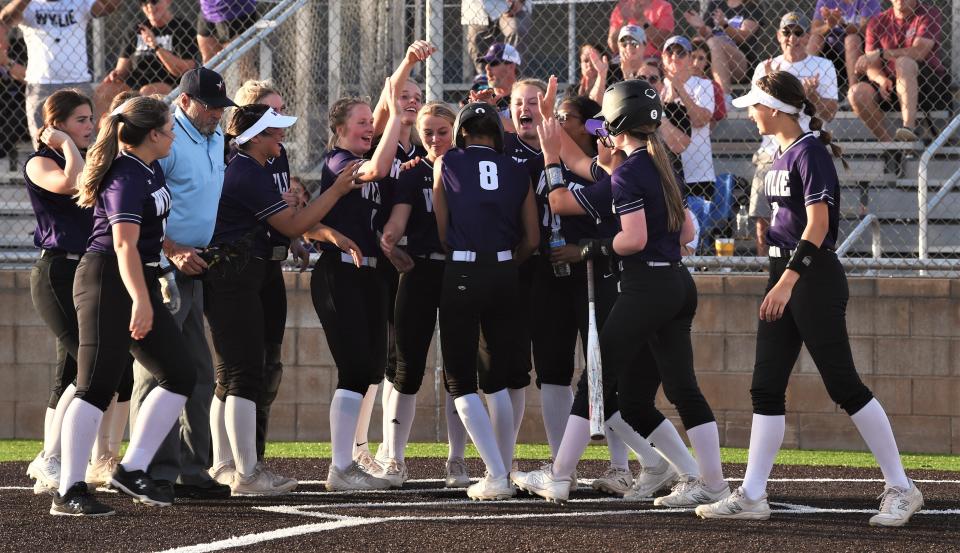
[(488, 175)]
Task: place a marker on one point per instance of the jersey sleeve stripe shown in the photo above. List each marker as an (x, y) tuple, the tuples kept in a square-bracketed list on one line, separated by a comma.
[(819, 197), (629, 207), (126, 216), (275, 208), (585, 204)]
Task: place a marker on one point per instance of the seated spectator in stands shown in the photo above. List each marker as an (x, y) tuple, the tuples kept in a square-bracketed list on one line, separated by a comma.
[(837, 30), (700, 61), (12, 78), (488, 21), (819, 78), (502, 67), (903, 68), (675, 125), (696, 95), (56, 38), (221, 21), (633, 45), (730, 29), (655, 17), (161, 49)]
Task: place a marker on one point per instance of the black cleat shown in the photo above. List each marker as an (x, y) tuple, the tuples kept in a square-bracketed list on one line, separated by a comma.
[(141, 487), (78, 502), (210, 489)]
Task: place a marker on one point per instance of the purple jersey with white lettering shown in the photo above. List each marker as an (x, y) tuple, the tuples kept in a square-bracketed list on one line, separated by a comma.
[(250, 196), (597, 200), (485, 191), (355, 214), (532, 160), (279, 168), (801, 175), (388, 185), (131, 192), (415, 188), (61, 223), (636, 185)]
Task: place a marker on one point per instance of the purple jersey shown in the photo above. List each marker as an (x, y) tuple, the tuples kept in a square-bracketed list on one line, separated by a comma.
[(532, 159), (388, 185), (131, 192), (485, 191), (61, 223), (636, 185), (355, 214), (279, 168), (801, 175), (218, 11), (597, 200), (415, 188), (250, 196)]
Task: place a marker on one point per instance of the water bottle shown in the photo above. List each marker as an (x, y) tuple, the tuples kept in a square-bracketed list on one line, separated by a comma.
[(557, 241), (743, 223)]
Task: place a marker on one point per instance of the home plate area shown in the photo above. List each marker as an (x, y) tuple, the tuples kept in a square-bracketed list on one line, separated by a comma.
[(813, 507)]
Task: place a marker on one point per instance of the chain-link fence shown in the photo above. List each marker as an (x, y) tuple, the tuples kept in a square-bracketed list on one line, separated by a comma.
[(332, 48)]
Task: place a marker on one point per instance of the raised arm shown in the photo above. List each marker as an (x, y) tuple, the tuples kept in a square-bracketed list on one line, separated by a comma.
[(46, 174), (295, 222), (417, 52), (378, 166)]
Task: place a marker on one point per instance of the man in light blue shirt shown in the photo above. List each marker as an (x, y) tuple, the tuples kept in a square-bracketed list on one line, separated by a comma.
[(194, 173)]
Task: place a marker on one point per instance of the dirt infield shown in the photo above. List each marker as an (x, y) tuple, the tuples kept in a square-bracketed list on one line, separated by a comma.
[(815, 509)]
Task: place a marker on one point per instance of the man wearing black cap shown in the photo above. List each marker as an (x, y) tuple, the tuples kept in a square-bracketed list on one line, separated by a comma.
[(194, 173)]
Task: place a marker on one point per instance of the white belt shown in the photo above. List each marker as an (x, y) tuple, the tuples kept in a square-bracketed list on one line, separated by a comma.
[(54, 253), (470, 257), (364, 261), (153, 264), (433, 256), (776, 251), (658, 263)]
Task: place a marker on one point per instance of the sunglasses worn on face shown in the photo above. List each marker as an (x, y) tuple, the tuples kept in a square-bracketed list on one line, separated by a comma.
[(630, 43), (797, 32), (562, 117), (495, 63), (678, 52), (652, 79)]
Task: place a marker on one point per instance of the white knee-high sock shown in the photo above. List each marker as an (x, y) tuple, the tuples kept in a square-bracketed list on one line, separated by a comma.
[(402, 409), (576, 436), (518, 398), (363, 420), (555, 404), (619, 458), (766, 437), (456, 433), (645, 452), (101, 446), (51, 439), (501, 417), (159, 410), (384, 451), (667, 441), (344, 412), (80, 424), (47, 425), (874, 427), (222, 454), (118, 425), (705, 439), (240, 418), (477, 423)]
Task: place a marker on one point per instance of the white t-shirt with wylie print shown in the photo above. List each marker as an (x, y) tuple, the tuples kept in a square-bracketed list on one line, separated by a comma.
[(810, 66), (55, 32)]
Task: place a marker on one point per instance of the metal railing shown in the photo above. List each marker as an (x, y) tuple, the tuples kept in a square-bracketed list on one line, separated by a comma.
[(922, 182), (869, 221)]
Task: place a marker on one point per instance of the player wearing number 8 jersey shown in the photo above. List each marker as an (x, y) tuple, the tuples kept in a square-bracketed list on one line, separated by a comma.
[(486, 219), (805, 304)]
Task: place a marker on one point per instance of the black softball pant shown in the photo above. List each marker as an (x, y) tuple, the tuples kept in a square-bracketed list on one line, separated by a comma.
[(415, 318), (479, 297), (103, 313), (391, 279), (51, 289), (235, 313), (647, 334), (515, 372), (815, 316), (273, 298), (352, 305)]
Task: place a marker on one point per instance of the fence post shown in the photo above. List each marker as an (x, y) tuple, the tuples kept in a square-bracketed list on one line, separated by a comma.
[(333, 52), (435, 62), (573, 53)]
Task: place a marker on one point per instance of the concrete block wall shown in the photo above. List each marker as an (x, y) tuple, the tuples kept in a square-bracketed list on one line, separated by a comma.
[(905, 335)]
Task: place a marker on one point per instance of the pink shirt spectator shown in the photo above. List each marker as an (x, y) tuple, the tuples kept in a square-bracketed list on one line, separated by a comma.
[(887, 32), (659, 13)]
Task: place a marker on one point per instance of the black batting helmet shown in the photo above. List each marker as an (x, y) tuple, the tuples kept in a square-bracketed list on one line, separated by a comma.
[(478, 110), (630, 104)]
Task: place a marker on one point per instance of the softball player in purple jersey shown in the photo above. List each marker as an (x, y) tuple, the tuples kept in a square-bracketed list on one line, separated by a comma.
[(119, 306), (805, 304), (486, 220), (348, 293)]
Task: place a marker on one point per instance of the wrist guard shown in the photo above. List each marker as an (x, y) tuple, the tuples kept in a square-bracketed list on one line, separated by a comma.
[(804, 256)]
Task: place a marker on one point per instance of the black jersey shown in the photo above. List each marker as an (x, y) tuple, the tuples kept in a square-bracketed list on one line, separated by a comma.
[(61, 223), (415, 188)]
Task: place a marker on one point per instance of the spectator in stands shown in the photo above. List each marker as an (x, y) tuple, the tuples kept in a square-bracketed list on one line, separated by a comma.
[(502, 66), (837, 30), (488, 21), (655, 17), (56, 37), (730, 29), (161, 49), (220, 21), (700, 61), (675, 125), (632, 43), (903, 68), (819, 78), (588, 71), (696, 95), (12, 77)]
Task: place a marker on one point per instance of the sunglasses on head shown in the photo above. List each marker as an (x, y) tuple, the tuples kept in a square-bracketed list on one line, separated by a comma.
[(795, 31)]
